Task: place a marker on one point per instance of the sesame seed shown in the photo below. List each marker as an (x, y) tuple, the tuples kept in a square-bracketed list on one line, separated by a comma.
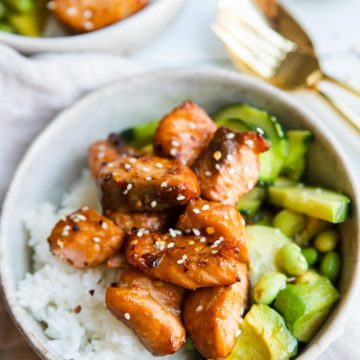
[(128, 188), (199, 308), (60, 243), (249, 142), (205, 207), (203, 239), (196, 232), (132, 160), (208, 173), (148, 178), (146, 169), (196, 211), (192, 125), (172, 232), (127, 166), (159, 165), (180, 197), (100, 155), (175, 143), (127, 316), (88, 25), (187, 231), (140, 233), (105, 225), (173, 152), (191, 242), (170, 245), (229, 157), (184, 257), (81, 217), (96, 239), (160, 245), (110, 165), (243, 222), (65, 233), (71, 11), (210, 230), (85, 208), (250, 184), (153, 203), (230, 136), (217, 155), (238, 333), (88, 14), (164, 184), (66, 228), (291, 279), (214, 252), (217, 166), (180, 261)]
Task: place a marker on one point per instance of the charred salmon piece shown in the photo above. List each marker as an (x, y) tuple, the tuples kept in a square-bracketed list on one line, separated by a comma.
[(184, 133), (151, 308), (90, 15), (104, 152), (212, 316), (229, 167), (216, 221), (158, 221), (85, 238), (185, 260), (149, 183)]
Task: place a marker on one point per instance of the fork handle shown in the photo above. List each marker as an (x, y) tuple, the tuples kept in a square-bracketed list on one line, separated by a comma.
[(342, 84), (344, 110)]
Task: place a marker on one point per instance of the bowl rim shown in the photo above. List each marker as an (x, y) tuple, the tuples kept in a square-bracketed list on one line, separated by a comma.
[(335, 324), (93, 35)]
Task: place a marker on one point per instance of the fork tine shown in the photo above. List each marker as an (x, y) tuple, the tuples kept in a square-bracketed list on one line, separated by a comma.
[(263, 30), (243, 53), (254, 43)]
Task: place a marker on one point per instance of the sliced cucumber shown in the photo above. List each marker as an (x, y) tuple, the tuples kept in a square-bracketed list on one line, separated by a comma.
[(235, 124), (299, 141), (250, 203), (317, 202), (297, 173), (271, 162), (263, 242), (141, 135), (284, 181)]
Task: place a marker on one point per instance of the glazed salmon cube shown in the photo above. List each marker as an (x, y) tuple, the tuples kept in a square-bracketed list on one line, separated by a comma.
[(184, 133), (229, 167), (149, 183)]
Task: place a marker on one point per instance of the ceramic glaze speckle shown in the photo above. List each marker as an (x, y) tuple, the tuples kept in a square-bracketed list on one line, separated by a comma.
[(57, 158)]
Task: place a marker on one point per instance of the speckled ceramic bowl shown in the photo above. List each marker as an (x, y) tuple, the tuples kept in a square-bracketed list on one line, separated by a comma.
[(57, 158), (122, 37)]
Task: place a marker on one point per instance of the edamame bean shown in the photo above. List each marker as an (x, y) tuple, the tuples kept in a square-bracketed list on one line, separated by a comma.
[(289, 222), (22, 6), (268, 287), (330, 265), (292, 260), (326, 241), (311, 256)]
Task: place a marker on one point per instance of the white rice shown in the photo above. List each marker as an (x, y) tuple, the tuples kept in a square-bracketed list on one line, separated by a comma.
[(55, 289)]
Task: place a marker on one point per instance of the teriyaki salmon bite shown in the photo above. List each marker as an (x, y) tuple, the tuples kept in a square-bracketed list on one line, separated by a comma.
[(217, 239)]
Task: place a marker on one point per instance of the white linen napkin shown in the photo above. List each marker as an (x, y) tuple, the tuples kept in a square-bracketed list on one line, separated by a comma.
[(33, 90)]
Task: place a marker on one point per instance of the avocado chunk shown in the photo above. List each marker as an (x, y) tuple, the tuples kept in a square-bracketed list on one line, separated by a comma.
[(263, 242), (306, 304), (317, 202), (140, 135), (264, 336)]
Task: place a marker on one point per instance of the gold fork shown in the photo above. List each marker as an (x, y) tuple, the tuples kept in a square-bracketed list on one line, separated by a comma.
[(282, 54)]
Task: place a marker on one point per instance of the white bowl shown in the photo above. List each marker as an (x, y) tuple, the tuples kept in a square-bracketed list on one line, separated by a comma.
[(58, 156), (122, 37)]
